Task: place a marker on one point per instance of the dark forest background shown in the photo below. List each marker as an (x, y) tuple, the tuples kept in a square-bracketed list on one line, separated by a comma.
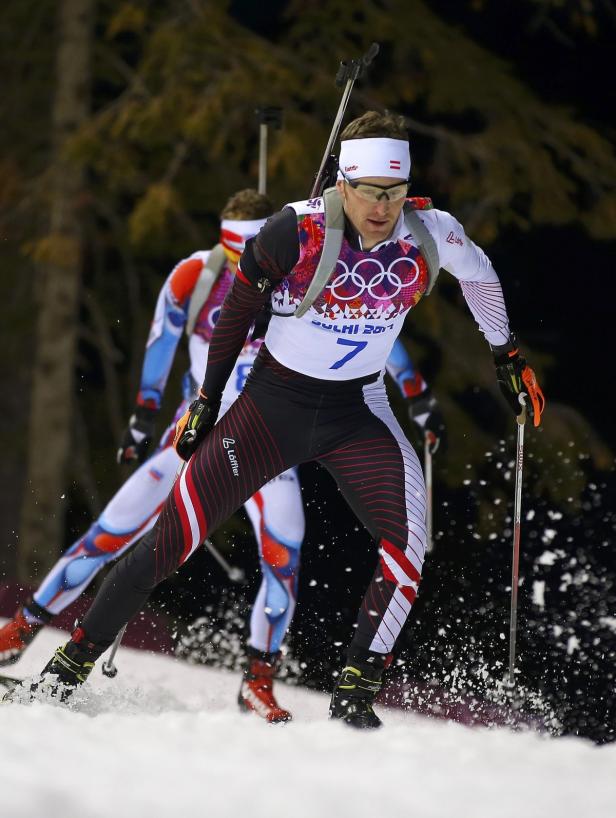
[(126, 125)]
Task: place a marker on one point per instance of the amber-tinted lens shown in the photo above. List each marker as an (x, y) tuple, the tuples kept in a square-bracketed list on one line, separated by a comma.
[(372, 193)]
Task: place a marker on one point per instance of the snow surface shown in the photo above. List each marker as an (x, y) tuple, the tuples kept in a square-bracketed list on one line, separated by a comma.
[(166, 739)]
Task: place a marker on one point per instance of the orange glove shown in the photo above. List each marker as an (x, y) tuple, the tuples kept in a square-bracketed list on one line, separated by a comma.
[(515, 377)]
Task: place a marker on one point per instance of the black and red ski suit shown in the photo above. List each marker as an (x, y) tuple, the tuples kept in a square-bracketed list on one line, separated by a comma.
[(285, 417)]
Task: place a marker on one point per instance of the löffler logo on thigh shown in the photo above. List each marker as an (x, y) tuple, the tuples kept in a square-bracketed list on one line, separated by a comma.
[(228, 442)]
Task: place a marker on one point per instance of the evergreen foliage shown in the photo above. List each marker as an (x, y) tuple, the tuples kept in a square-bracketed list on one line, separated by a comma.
[(172, 134)]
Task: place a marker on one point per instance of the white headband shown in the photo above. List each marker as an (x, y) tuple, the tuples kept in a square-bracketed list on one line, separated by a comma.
[(246, 229), (235, 233), (375, 157)]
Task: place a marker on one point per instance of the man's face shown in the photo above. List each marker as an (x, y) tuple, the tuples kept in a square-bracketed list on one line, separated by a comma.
[(374, 220)]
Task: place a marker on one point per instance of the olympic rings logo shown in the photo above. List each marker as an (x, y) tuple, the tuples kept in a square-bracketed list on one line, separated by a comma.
[(353, 280)]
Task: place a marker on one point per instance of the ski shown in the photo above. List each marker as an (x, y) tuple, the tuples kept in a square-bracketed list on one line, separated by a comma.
[(9, 682)]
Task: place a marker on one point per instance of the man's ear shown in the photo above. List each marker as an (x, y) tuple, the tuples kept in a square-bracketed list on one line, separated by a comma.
[(340, 189)]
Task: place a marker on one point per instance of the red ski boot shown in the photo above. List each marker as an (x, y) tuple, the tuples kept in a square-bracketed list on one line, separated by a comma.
[(256, 693), (17, 634)]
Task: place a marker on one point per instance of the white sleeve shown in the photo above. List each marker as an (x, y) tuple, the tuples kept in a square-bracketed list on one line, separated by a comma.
[(469, 264)]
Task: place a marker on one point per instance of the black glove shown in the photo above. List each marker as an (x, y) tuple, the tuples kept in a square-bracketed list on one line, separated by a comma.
[(138, 435), (425, 413), (515, 377), (194, 425)]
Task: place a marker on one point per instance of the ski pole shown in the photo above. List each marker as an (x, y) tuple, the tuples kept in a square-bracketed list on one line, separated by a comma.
[(347, 74), (234, 573), (428, 443), (266, 116), (108, 668), (515, 566)]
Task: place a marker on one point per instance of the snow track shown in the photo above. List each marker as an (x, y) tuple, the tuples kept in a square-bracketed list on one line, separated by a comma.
[(166, 739)]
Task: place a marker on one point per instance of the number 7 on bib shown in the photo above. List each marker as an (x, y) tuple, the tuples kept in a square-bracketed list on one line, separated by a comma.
[(357, 347)]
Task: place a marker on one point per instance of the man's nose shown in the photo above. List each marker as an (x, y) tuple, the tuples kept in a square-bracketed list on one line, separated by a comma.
[(381, 208)]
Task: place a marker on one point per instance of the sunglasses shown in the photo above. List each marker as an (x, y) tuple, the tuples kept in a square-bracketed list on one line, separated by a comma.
[(374, 193)]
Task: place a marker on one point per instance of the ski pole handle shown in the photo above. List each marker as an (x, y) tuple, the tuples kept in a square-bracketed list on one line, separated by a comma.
[(521, 418), (188, 438)]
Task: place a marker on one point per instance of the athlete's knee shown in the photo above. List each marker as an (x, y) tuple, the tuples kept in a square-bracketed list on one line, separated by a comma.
[(141, 564), (402, 567), (280, 593), (282, 557), (84, 559), (98, 541), (82, 570)]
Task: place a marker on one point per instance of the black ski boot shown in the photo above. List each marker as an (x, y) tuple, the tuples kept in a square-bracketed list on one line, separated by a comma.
[(356, 689), (68, 668)]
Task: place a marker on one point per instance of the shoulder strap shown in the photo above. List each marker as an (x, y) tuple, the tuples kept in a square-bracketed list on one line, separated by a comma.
[(203, 287), (334, 231), (425, 244)]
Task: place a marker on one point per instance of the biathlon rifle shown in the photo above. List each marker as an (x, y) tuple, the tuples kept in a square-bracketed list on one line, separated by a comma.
[(348, 72)]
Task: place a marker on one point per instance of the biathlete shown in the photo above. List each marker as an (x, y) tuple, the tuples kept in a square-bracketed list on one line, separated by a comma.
[(316, 392), (190, 302)]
